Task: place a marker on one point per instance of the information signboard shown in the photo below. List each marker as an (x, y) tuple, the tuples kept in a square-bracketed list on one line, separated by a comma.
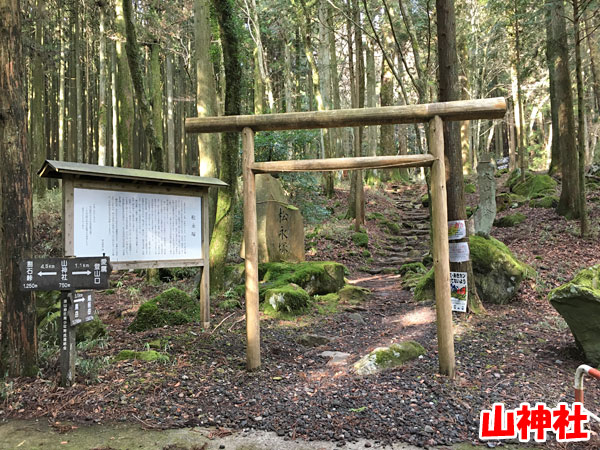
[(135, 226)]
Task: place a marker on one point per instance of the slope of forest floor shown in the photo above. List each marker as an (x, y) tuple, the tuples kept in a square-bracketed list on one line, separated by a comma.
[(513, 353)]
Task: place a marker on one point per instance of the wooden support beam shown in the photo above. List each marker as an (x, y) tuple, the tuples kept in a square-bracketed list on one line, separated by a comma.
[(205, 280), (441, 259), (492, 108), (251, 252), (362, 162)]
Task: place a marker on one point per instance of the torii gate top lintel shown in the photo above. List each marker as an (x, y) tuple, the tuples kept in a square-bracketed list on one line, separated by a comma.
[(434, 113)]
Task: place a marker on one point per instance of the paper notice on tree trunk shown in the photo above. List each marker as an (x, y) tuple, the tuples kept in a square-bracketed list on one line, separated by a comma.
[(131, 226), (458, 291), (459, 251), (456, 229)]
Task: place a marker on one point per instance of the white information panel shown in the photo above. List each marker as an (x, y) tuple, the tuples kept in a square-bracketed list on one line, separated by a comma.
[(131, 226)]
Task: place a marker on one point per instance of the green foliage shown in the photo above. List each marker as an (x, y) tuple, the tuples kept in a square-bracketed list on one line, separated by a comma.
[(147, 355), (172, 307), (470, 188), (360, 239)]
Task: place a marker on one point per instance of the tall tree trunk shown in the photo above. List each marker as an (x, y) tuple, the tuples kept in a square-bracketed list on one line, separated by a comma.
[(61, 92), (581, 138), (219, 244), (551, 61), (170, 118), (79, 149), (156, 91), (568, 204), (102, 83), (371, 103), (38, 137), (135, 68), (523, 160), (206, 101), (288, 85), (125, 106), (18, 339), (324, 69), (336, 133), (450, 91), (386, 138), (356, 207), (261, 64)]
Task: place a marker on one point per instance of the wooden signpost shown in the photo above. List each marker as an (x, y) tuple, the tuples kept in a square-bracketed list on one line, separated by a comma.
[(67, 275)]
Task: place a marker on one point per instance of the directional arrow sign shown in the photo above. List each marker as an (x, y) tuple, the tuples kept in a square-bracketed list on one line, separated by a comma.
[(65, 274), (81, 308)]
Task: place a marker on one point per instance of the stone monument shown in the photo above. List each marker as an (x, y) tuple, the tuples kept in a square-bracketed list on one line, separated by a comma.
[(280, 225)]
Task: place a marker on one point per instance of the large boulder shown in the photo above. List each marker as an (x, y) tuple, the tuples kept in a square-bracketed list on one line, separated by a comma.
[(498, 273), (578, 302), (315, 277), (172, 307), (387, 357), (534, 186)]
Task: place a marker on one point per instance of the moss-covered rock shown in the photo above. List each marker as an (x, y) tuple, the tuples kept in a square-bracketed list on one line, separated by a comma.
[(290, 299), (172, 307), (578, 302), (360, 239), (415, 267), (514, 178), (509, 200), (387, 357), (315, 277), (424, 287), (510, 220), (88, 331), (353, 295), (498, 273), (549, 201), (148, 355), (425, 200), (470, 188), (392, 227), (535, 186)]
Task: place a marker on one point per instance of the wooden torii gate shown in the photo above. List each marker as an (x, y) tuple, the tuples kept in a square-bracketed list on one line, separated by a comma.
[(434, 113)]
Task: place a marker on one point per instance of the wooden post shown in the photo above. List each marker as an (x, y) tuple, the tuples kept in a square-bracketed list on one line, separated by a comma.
[(441, 258), (68, 349), (205, 280), (251, 252)]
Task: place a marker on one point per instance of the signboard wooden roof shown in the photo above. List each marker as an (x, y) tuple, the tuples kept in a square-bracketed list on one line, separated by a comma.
[(60, 169)]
